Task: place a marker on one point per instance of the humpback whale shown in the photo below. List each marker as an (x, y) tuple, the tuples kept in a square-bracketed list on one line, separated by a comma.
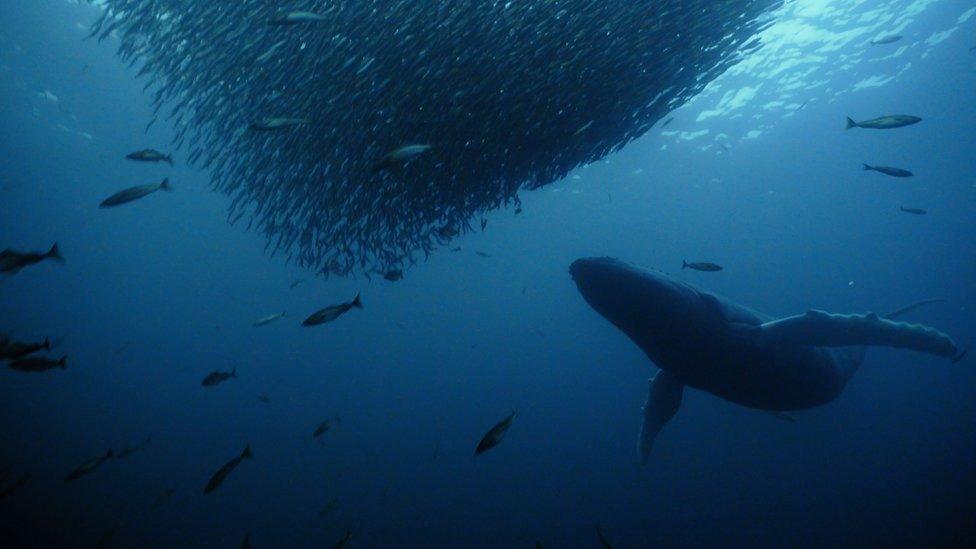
[(711, 343)]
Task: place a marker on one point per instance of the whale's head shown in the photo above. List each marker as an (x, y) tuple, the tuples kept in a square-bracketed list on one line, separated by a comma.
[(657, 312)]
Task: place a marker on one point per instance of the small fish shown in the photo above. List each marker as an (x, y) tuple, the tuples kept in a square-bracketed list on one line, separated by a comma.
[(295, 283), (345, 539), (916, 211), (215, 377), (447, 231), (329, 507), (129, 450), (14, 486), (324, 427), (518, 210), (887, 170), (276, 124), (150, 155), (701, 266), (225, 470), (666, 122), (264, 321), (456, 249), (164, 497), (400, 156), (332, 312), (884, 122), (264, 398), (484, 223), (296, 17), (886, 40), (482, 254), (88, 466), (393, 275), (10, 349), (11, 262), (494, 435), (38, 364), (603, 540), (135, 193)]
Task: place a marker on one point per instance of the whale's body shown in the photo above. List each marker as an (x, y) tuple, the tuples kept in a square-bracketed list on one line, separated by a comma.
[(711, 343)]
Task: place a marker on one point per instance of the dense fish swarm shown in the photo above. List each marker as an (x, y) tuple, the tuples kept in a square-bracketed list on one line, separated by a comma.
[(506, 94)]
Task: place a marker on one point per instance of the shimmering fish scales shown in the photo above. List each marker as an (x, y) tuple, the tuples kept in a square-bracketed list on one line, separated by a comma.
[(332, 312), (884, 122), (88, 466), (11, 261), (135, 193), (494, 435), (218, 478), (502, 103)]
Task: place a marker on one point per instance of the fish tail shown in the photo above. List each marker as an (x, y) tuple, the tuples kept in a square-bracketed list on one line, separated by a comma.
[(866, 167), (956, 359), (55, 253), (168, 159), (109, 454), (233, 372), (850, 123), (358, 303), (63, 363), (247, 452), (47, 344), (684, 264), (165, 185)]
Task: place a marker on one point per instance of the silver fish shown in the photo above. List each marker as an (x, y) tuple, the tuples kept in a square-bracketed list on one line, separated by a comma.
[(265, 320), (135, 193), (332, 312), (884, 122)]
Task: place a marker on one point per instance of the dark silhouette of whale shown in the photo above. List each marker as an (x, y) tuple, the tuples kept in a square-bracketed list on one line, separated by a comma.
[(711, 343)]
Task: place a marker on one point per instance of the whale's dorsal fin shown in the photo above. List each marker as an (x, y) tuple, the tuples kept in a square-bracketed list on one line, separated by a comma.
[(823, 329)]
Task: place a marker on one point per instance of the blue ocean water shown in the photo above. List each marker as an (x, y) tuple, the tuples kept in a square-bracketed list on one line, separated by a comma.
[(756, 174)]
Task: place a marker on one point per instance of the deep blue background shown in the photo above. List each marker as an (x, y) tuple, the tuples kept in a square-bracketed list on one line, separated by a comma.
[(157, 294)]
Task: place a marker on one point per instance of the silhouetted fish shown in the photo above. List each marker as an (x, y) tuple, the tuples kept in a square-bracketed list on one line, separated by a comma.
[(14, 486), (332, 312), (494, 435), (886, 39), (225, 470), (135, 193), (884, 122), (265, 320), (150, 155), (297, 17), (916, 211), (324, 427), (342, 541), (887, 170), (703, 266), (277, 124), (400, 156), (88, 466), (11, 262), (603, 540), (38, 364), (10, 349), (393, 275), (213, 378)]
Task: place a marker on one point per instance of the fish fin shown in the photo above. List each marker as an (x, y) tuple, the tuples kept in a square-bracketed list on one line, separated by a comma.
[(684, 264), (358, 303), (247, 452), (663, 400), (233, 372), (850, 123), (867, 168), (166, 186), (55, 253), (63, 362), (109, 454), (168, 159), (47, 344)]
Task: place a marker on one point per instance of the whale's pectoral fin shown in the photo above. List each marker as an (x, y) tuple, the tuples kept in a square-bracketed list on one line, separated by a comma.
[(663, 400), (823, 329)]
